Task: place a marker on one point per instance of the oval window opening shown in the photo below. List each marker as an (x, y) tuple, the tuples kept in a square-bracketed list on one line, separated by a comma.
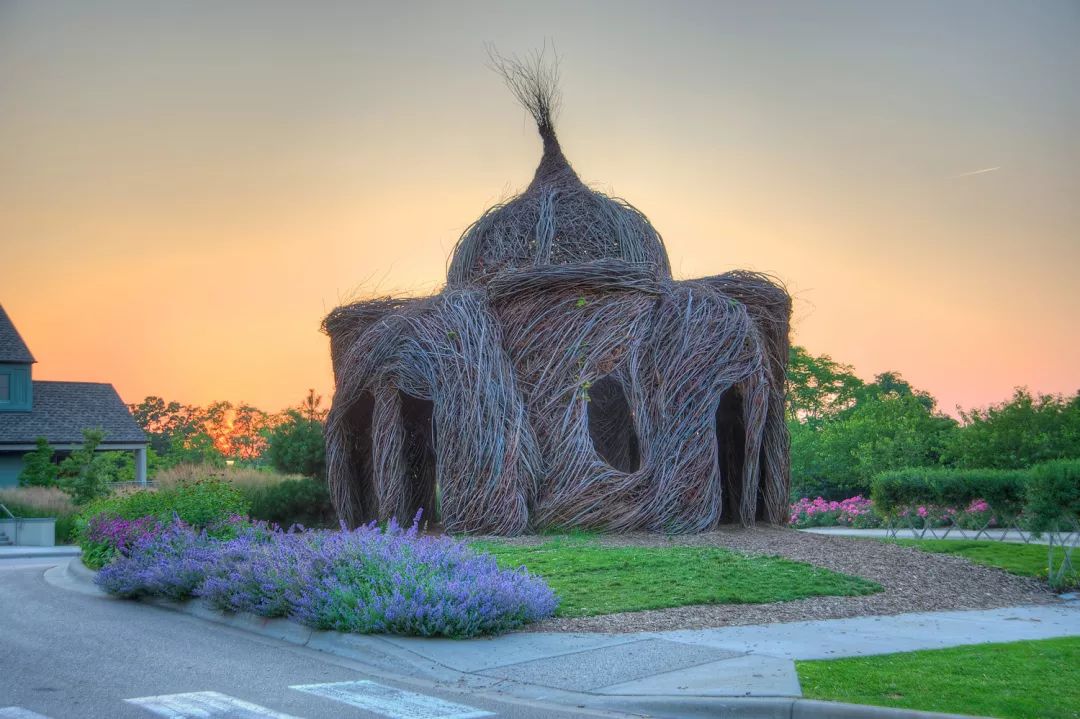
[(611, 425)]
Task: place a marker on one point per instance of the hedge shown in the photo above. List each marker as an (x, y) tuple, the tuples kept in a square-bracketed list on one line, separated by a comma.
[(896, 491), (1048, 493), (1054, 495)]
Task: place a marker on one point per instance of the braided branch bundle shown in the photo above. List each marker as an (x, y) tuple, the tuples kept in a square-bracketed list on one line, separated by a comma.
[(563, 378)]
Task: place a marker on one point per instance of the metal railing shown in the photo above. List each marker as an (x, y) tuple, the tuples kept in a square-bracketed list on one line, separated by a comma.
[(114, 486), (1061, 542), (16, 520)]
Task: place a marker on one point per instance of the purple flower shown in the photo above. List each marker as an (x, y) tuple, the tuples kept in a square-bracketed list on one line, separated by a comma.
[(118, 533), (170, 563), (363, 580)]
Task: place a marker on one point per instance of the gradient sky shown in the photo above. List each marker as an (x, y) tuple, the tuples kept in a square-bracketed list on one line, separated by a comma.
[(186, 188)]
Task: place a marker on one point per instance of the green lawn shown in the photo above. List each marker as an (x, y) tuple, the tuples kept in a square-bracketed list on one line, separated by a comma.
[(1018, 680), (1026, 559), (591, 579)]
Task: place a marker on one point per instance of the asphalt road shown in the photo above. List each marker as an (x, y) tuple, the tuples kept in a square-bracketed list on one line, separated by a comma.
[(66, 654)]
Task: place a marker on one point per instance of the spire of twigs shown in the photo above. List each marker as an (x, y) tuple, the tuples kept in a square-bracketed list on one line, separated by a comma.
[(534, 80)]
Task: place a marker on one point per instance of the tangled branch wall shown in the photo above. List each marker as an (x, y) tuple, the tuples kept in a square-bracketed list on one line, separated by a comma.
[(562, 378)]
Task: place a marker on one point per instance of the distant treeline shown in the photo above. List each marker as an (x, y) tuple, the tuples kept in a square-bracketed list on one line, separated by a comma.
[(844, 430)]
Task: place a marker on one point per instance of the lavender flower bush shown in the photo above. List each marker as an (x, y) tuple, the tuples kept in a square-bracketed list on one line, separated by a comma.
[(170, 562), (365, 580), (107, 535)]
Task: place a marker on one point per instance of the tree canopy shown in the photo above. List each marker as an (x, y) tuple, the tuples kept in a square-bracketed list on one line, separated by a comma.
[(844, 430)]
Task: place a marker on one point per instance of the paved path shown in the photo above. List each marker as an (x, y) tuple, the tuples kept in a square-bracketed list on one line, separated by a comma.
[(1010, 535), (730, 661)]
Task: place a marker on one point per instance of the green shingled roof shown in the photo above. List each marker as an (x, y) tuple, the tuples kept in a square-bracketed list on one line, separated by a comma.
[(62, 410), (12, 347)]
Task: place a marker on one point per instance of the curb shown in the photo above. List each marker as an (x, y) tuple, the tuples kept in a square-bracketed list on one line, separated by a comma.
[(80, 571), (48, 554), (383, 657)]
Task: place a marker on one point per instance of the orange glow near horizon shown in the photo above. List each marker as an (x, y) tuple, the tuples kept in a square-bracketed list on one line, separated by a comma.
[(188, 190)]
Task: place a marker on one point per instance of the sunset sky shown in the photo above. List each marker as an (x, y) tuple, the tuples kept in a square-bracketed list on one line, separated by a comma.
[(186, 188)]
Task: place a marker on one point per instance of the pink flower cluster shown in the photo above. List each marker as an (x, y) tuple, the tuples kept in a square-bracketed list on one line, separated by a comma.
[(859, 512), (846, 510), (118, 533)]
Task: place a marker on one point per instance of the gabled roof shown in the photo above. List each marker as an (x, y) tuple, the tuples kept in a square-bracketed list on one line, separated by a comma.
[(12, 347), (62, 410)]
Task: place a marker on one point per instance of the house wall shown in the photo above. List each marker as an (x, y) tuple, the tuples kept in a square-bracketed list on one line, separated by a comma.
[(11, 464), (19, 387), (30, 532)]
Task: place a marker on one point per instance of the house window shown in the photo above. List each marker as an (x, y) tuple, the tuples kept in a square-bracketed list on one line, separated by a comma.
[(5, 387)]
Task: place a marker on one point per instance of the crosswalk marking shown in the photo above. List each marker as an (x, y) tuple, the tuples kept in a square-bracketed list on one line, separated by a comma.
[(19, 713), (204, 705), (391, 702)]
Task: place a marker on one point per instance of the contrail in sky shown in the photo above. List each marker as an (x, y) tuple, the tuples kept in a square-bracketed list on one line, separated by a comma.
[(973, 172)]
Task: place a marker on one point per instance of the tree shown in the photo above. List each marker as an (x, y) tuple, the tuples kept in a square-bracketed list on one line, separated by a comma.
[(819, 388), (238, 431), (83, 474), (198, 448), (39, 469), (1025, 430), (311, 409), (892, 384), (167, 424), (296, 445), (882, 432)]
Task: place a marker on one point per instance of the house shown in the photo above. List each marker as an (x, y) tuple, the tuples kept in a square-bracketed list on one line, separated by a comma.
[(57, 411)]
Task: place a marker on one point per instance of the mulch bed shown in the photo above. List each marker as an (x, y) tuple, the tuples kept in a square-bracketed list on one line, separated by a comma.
[(914, 581)]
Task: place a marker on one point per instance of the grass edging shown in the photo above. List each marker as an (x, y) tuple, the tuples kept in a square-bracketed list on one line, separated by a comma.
[(1012, 680)]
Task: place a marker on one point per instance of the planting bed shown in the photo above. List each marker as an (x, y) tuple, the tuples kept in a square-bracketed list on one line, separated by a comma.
[(914, 581)]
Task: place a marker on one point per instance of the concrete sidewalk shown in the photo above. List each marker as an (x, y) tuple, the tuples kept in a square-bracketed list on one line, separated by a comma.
[(664, 673), (729, 661), (990, 535)]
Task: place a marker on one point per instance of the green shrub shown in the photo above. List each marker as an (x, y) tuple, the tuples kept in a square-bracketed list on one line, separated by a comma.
[(292, 501), (39, 469), (119, 518), (197, 503), (896, 491), (297, 446), (66, 529), (1054, 495)]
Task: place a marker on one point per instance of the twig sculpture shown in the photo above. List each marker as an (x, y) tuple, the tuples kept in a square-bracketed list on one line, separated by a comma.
[(562, 378)]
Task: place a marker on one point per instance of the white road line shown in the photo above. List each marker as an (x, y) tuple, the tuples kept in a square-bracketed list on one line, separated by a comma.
[(19, 713), (202, 705), (391, 702)]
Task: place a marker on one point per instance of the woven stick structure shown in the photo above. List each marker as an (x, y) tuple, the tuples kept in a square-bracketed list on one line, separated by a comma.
[(562, 378)]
